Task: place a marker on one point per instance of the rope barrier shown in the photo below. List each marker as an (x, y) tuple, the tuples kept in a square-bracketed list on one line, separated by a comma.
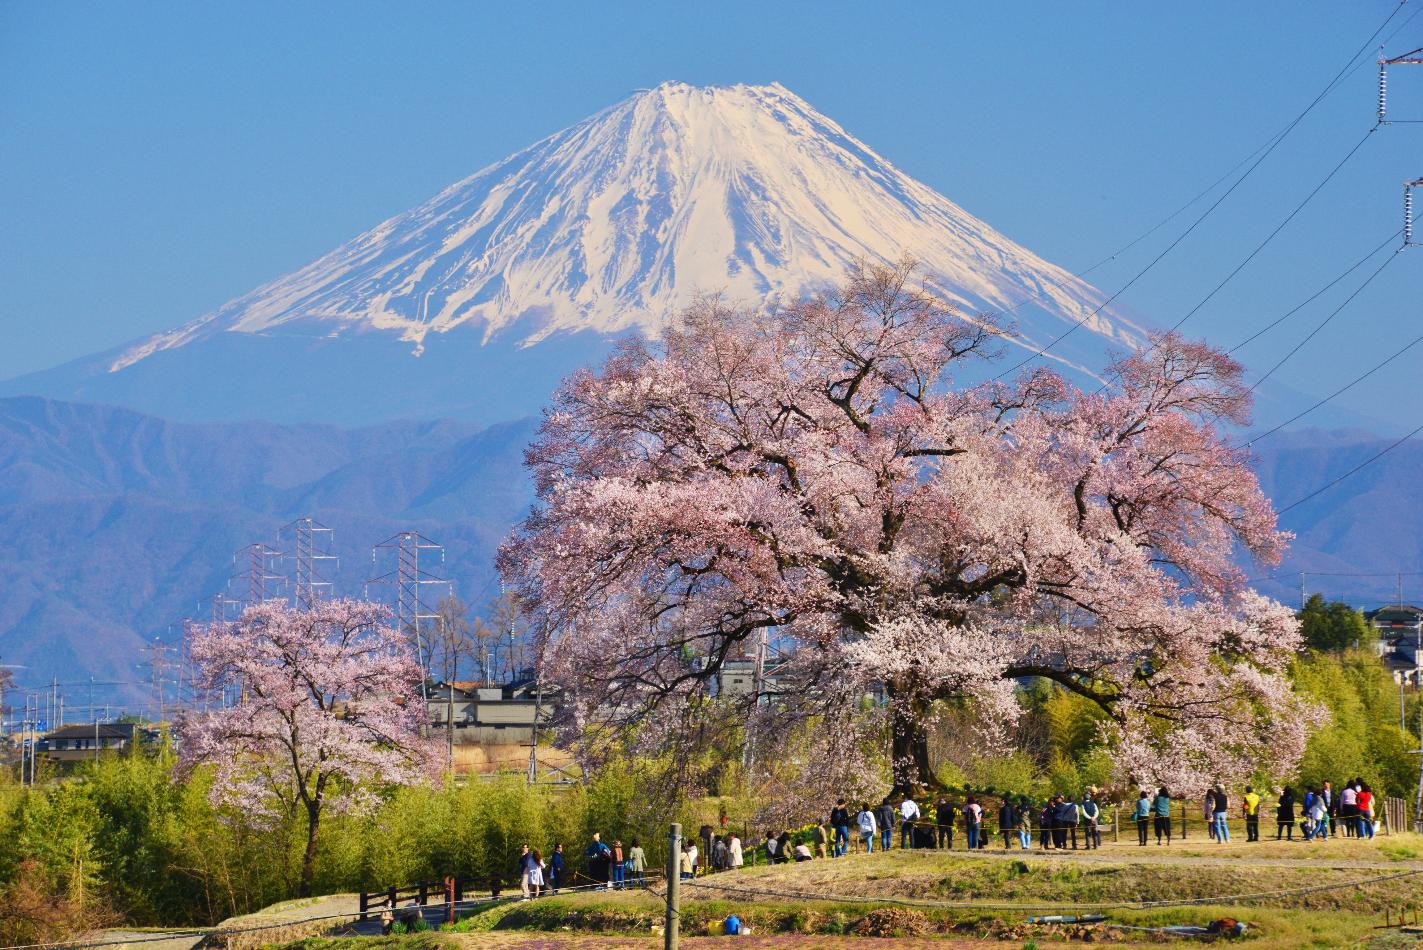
[(1073, 905)]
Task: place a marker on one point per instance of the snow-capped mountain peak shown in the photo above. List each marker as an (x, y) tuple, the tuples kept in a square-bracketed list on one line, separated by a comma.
[(621, 220)]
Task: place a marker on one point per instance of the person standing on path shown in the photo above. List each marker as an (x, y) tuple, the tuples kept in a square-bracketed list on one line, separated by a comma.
[(734, 857), (865, 821), (840, 821), (1141, 814), (1250, 806), (944, 823), (556, 865), (597, 854), (1220, 808), (909, 812), (884, 817), (1091, 816), (1365, 802), (1007, 821), (972, 820), (1285, 814), (820, 837), (1025, 822), (637, 863), (617, 866), (1161, 808), (527, 864)]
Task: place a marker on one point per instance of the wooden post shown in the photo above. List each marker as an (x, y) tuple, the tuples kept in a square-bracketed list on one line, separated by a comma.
[(421, 896), (365, 904), (1116, 825), (449, 900), (390, 899), (1183, 821), (672, 925)]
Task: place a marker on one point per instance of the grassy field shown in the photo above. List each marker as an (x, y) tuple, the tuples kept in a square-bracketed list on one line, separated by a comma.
[(1326, 895)]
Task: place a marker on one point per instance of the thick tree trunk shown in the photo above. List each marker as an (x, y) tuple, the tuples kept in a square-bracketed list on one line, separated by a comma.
[(308, 860), (909, 746)]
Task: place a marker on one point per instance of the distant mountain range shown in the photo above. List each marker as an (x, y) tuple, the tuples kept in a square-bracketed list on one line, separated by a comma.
[(119, 525)]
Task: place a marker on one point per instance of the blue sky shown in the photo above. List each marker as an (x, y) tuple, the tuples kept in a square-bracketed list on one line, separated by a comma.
[(159, 159)]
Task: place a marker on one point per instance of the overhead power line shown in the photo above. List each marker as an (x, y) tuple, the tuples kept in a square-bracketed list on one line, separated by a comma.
[(1325, 322), (1341, 390), (1314, 296), (1351, 472), (1332, 84)]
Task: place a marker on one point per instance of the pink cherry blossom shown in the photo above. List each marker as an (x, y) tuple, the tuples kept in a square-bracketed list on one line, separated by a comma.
[(813, 476), (328, 712)]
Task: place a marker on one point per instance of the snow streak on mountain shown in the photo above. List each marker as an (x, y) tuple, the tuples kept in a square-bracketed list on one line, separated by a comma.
[(623, 219)]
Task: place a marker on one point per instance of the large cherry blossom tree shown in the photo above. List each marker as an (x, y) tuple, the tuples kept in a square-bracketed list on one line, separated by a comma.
[(814, 475), (328, 713)]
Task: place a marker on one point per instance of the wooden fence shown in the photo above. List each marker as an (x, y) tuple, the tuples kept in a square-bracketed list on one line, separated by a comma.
[(449, 892)]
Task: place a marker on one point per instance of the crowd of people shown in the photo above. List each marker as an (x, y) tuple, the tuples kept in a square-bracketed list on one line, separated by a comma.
[(1058, 822)]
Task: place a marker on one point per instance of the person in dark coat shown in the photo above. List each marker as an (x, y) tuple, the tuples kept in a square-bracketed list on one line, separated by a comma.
[(1064, 814), (944, 823), (1285, 815), (1007, 821)]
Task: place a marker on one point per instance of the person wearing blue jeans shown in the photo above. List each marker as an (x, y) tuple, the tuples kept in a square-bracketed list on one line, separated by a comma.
[(1221, 811), (840, 821), (885, 816), (865, 821)]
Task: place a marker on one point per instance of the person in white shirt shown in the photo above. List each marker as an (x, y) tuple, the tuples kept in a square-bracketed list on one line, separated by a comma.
[(909, 814), (865, 820), (734, 852)]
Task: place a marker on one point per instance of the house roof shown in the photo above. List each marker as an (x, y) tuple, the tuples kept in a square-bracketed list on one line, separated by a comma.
[(104, 730)]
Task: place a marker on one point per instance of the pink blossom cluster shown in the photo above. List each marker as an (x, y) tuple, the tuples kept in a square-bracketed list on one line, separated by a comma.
[(327, 709), (814, 475)]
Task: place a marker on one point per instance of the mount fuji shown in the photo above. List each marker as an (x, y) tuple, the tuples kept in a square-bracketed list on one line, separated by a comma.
[(475, 303)]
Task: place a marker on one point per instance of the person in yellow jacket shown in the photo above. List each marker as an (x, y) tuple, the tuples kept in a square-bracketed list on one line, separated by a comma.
[(1251, 804)]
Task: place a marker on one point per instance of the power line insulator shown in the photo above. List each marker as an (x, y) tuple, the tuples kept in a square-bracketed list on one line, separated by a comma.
[(1383, 93), (1408, 213)]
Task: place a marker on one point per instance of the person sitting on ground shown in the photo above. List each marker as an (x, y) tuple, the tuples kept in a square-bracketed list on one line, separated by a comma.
[(802, 852), (784, 847), (771, 844)]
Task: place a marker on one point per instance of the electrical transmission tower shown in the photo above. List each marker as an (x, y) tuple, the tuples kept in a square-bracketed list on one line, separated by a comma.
[(413, 573), (311, 550), (255, 578)]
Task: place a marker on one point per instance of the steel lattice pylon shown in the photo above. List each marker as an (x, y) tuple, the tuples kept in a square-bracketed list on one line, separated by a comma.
[(311, 545), (409, 579)]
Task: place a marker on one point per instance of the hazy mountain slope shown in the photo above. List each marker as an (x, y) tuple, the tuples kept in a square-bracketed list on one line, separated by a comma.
[(119, 525)]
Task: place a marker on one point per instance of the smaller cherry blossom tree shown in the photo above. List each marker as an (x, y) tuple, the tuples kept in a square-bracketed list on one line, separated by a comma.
[(330, 713)]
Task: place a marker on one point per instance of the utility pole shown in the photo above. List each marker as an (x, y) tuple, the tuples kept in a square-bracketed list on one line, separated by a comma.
[(1302, 596), (672, 924)]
